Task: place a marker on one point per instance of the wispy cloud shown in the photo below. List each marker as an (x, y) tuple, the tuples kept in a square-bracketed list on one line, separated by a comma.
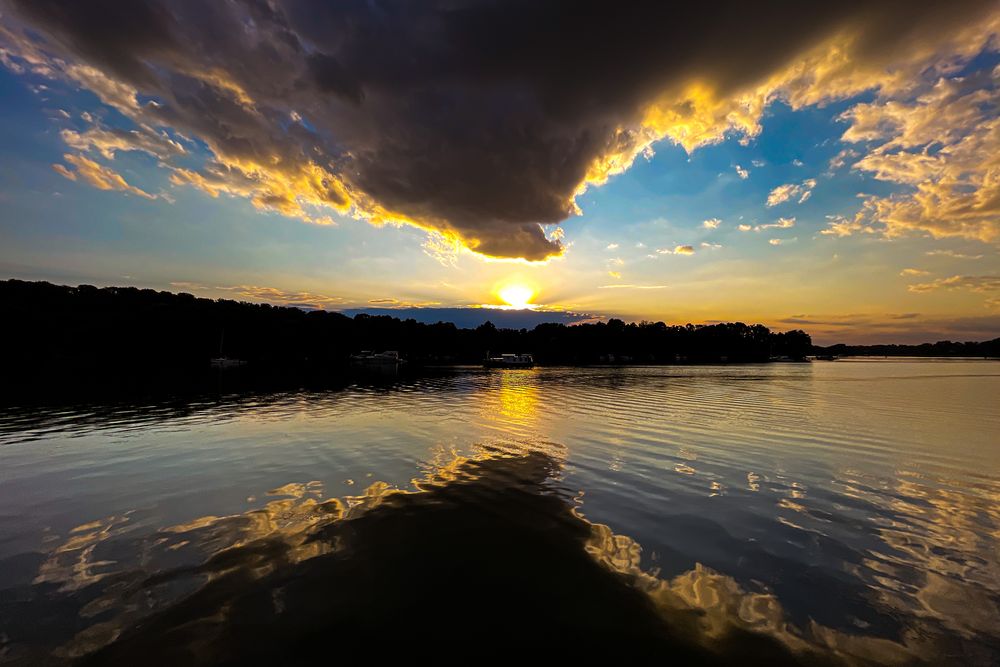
[(780, 223), (783, 193), (676, 250), (839, 160), (632, 286), (841, 227), (98, 175), (865, 328), (951, 253), (272, 295), (971, 283), (397, 303)]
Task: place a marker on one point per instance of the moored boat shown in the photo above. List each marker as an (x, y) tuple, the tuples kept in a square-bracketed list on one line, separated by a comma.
[(389, 358), (226, 362), (509, 361)]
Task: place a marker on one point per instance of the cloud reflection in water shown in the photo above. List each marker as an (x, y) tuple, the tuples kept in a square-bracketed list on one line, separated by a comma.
[(486, 553)]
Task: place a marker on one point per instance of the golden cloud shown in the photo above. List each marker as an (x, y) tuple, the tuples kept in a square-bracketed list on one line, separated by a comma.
[(487, 135), (97, 175)]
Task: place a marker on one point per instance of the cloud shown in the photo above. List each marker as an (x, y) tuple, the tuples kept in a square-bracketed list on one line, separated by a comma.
[(914, 272), (612, 246), (775, 241), (676, 250), (442, 249), (397, 303), (271, 295), (840, 159), (479, 121), (988, 285), (913, 328), (613, 266), (711, 246), (780, 223), (742, 173), (971, 283), (841, 227), (711, 223), (109, 141), (99, 176), (783, 193), (632, 286), (942, 142), (951, 253)]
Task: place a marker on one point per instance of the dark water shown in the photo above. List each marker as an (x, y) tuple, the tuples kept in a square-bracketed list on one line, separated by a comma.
[(825, 513)]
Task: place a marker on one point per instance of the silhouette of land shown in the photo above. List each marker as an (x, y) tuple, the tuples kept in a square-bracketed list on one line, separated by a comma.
[(87, 333), (944, 348), (57, 326)]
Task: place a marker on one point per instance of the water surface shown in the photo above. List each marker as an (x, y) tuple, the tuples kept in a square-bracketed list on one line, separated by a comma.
[(824, 512)]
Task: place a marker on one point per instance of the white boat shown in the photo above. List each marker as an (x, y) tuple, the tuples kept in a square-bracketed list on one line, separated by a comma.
[(223, 361), (509, 361), (380, 359), (226, 362)]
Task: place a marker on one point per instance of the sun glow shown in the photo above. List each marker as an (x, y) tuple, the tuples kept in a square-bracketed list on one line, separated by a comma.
[(517, 296)]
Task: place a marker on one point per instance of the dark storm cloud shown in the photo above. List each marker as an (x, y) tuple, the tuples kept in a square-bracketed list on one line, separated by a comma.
[(480, 120)]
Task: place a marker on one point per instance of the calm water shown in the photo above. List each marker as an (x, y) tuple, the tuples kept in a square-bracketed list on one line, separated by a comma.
[(823, 512)]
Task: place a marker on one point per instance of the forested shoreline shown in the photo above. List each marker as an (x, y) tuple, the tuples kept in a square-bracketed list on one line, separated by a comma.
[(85, 326), (84, 329), (944, 348)]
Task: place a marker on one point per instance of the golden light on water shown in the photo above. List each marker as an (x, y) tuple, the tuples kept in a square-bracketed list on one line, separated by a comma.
[(516, 296)]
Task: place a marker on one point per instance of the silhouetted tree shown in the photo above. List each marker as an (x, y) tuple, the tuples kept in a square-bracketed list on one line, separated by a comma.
[(85, 330)]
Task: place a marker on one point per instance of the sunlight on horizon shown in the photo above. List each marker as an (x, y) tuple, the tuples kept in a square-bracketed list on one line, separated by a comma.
[(517, 296)]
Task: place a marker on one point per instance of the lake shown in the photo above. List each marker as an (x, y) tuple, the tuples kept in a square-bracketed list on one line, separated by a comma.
[(832, 512)]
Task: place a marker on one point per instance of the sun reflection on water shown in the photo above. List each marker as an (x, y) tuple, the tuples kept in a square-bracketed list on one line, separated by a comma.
[(516, 402)]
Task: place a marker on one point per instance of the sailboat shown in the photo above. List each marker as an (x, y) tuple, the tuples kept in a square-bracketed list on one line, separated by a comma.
[(223, 361)]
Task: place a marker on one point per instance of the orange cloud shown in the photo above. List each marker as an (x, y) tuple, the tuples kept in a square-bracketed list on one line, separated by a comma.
[(487, 145), (97, 175)]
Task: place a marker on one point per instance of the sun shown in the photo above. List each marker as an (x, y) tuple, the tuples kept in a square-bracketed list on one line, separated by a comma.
[(517, 296)]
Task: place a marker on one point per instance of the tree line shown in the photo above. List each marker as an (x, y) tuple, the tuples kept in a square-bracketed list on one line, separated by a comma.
[(944, 348), (91, 329)]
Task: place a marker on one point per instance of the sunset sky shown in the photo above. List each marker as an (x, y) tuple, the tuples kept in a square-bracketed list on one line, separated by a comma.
[(836, 170)]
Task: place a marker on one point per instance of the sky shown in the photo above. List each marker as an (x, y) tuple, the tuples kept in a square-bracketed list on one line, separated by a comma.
[(836, 170)]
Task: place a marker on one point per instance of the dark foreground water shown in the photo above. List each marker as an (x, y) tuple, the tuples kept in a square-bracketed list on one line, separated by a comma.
[(823, 513)]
